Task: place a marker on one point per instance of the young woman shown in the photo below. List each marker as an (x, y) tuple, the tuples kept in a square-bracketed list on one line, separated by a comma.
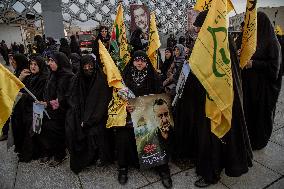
[(169, 57), (55, 96), (141, 78), (86, 117), (35, 81)]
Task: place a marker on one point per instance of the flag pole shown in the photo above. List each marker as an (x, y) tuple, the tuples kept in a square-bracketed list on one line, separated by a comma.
[(34, 97)]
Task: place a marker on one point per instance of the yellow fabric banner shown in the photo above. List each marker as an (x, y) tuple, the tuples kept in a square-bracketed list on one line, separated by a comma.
[(10, 86), (117, 107), (154, 41), (202, 5), (279, 31), (250, 33), (119, 34), (210, 62)]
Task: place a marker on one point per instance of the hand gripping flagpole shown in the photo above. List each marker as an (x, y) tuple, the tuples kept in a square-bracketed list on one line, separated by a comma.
[(34, 97)]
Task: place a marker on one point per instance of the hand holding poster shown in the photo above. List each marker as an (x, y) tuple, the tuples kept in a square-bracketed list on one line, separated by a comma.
[(37, 117), (153, 127)]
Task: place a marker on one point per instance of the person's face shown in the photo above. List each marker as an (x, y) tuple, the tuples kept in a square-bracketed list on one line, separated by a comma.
[(197, 29), (162, 113), (88, 69), (34, 67), (52, 64), (12, 62), (140, 17), (104, 32), (140, 64), (168, 54), (177, 52)]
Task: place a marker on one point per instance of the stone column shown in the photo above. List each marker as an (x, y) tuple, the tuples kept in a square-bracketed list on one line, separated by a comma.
[(52, 19)]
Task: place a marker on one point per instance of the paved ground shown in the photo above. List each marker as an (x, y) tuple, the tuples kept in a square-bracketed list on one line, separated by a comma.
[(267, 170)]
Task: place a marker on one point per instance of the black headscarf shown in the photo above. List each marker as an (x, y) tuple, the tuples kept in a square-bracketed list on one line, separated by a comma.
[(36, 82), (266, 39), (21, 63), (151, 82), (167, 63), (64, 47), (59, 81), (75, 62)]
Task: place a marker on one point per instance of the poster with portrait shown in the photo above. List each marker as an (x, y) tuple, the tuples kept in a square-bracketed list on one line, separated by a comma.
[(191, 16), (37, 117), (153, 127), (140, 17)]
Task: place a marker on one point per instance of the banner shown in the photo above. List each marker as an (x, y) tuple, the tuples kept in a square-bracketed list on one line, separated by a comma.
[(154, 42), (181, 82), (249, 39), (118, 37), (37, 117), (202, 5), (210, 62), (140, 17), (153, 125), (10, 86)]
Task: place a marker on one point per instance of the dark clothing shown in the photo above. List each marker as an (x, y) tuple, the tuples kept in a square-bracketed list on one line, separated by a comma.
[(74, 45), (58, 86), (125, 137), (88, 105), (136, 42), (262, 84), (193, 136), (75, 62), (4, 52), (64, 47), (26, 142)]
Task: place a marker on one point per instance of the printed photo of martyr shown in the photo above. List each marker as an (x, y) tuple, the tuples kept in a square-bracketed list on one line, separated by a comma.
[(153, 127)]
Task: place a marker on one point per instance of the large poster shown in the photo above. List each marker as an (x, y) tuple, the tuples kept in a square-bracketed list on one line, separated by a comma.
[(140, 18), (191, 16), (153, 127)]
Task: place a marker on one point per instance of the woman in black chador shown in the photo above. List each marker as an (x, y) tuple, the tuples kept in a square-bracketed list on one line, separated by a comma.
[(194, 139), (55, 96), (141, 78), (262, 83), (35, 82), (20, 64), (87, 115)]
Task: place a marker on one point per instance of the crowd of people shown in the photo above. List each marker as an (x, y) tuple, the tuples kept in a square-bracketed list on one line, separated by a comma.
[(74, 90)]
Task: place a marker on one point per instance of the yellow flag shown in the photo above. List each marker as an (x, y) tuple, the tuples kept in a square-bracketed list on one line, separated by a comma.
[(250, 33), (118, 36), (210, 62), (10, 86), (202, 5), (117, 107), (154, 41), (279, 31)]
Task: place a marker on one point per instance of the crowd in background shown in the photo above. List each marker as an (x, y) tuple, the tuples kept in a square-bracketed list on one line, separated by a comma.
[(72, 86)]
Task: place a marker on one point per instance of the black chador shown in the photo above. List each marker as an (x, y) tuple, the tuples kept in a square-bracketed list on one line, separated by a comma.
[(57, 90), (262, 84), (194, 139), (86, 134)]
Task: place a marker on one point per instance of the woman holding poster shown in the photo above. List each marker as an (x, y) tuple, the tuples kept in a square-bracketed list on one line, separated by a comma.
[(141, 78)]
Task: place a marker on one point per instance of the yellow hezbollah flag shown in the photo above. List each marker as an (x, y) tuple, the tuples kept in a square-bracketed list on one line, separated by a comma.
[(250, 33), (10, 86), (117, 107), (210, 62), (118, 36), (278, 31), (154, 41), (202, 5)]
